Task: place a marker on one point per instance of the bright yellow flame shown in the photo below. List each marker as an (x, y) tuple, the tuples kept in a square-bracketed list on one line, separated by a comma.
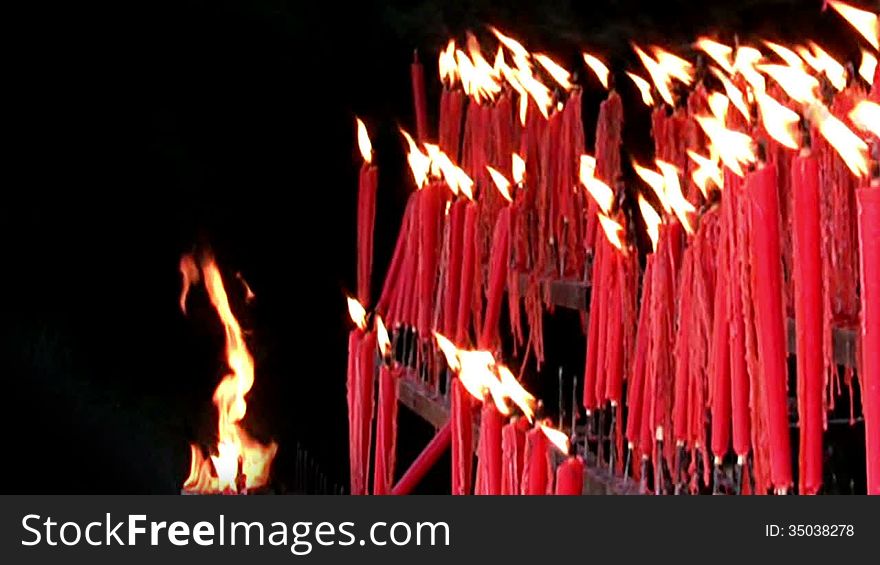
[(555, 70), (612, 230), (382, 338), (587, 166), (644, 88), (851, 148), (674, 66), (790, 57), (658, 74), (799, 85), (518, 168), (434, 159), (515, 46), (501, 183), (419, 163), (597, 67), (475, 372), (364, 141), (672, 189), (514, 390), (868, 66), (735, 148), (652, 220), (718, 105), (537, 90), (485, 81), (744, 62), (822, 62), (446, 63), (449, 350), (866, 116), (357, 312), (601, 192), (464, 183), (556, 437), (707, 170), (734, 94), (779, 121), (719, 52), (657, 183), (865, 22)]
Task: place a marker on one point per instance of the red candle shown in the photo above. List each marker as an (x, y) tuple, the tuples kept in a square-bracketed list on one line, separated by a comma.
[(453, 268), (417, 74), (462, 438), (807, 263), (720, 392), (869, 252), (386, 430), (367, 185), (352, 394), (766, 264), (591, 402), (570, 476), (392, 278), (636, 389), (538, 473), (682, 350), (468, 266), (499, 259), (605, 289), (489, 450), (430, 216), (513, 444), (615, 337)]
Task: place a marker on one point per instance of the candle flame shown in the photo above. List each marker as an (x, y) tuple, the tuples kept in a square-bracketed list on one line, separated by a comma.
[(644, 88), (734, 94), (419, 163), (822, 62), (798, 85), (357, 312), (652, 221), (719, 52), (449, 350), (518, 168), (865, 22), (446, 64), (707, 170), (514, 390), (659, 75), (364, 142), (674, 197), (601, 192), (851, 148), (515, 46), (790, 57), (190, 273), (501, 183), (718, 105), (866, 116), (779, 121), (539, 92), (656, 181), (735, 148), (612, 230), (555, 70), (744, 62), (598, 67), (556, 437), (868, 66), (382, 338)]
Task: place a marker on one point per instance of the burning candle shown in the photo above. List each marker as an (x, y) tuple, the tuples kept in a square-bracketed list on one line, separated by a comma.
[(386, 416), (468, 266), (430, 216), (537, 472), (869, 238), (808, 318), (570, 473), (513, 443), (499, 260), (366, 214), (489, 450)]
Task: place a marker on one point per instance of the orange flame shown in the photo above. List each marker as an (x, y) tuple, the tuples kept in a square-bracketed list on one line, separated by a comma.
[(449, 351), (734, 94), (707, 170), (241, 461), (501, 183), (719, 52), (556, 437), (848, 145), (657, 183), (601, 192), (652, 221), (799, 85), (419, 163), (382, 338), (790, 57), (446, 63), (868, 66), (357, 312), (555, 70), (514, 390), (744, 62), (672, 189), (734, 148), (659, 75), (779, 121), (597, 67), (364, 142), (644, 88), (515, 46), (822, 62), (612, 230), (518, 168), (865, 22), (866, 116), (190, 272)]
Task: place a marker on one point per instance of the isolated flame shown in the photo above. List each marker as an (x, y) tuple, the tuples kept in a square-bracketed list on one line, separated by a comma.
[(707, 170), (719, 52), (779, 121), (419, 163), (644, 88), (382, 338), (601, 192), (556, 437), (674, 197), (851, 148), (597, 67), (190, 273), (734, 94), (657, 183), (612, 230), (652, 220), (518, 168), (357, 312), (735, 148), (798, 85), (790, 57), (364, 142), (822, 62), (868, 66), (555, 70), (514, 390), (865, 22), (501, 183), (236, 450)]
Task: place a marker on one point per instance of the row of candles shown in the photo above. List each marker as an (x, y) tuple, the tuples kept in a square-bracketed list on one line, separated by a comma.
[(762, 172)]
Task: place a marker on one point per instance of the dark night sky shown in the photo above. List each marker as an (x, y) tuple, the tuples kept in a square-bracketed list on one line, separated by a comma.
[(138, 129)]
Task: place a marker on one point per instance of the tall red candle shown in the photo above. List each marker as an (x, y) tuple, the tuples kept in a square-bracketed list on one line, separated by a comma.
[(766, 263), (537, 474), (363, 410), (352, 396), (869, 253), (636, 388), (593, 344), (513, 444), (393, 276), (430, 216), (570, 476), (807, 263), (462, 438), (468, 266), (720, 401), (386, 430), (420, 104), (489, 450), (366, 214), (453, 268), (682, 351), (499, 259)]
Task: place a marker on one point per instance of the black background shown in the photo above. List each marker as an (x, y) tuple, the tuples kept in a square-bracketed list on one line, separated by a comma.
[(137, 129)]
